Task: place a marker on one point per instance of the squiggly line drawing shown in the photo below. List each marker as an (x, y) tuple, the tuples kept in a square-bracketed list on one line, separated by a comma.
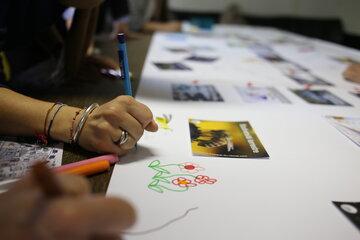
[(162, 226)]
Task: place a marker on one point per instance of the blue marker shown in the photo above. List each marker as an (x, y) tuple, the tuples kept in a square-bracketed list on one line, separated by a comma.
[(123, 60)]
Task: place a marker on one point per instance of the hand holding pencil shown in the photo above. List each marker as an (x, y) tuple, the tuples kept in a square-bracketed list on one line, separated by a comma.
[(106, 123), (60, 208)]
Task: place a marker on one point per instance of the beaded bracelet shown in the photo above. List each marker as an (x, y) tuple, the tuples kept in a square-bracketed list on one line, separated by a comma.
[(82, 121)]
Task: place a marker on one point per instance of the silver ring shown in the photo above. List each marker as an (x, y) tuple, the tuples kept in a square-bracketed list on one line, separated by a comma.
[(123, 138)]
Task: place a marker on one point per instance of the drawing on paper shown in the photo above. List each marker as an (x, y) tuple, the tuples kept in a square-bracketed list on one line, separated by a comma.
[(174, 220), (177, 177), (164, 122)]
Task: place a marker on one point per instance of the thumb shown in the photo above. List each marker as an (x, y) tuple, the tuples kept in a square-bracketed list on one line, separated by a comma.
[(152, 126)]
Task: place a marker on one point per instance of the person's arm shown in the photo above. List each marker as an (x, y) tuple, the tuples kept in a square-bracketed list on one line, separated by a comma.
[(25, 213), (352, 73), (21, 115), (25, 116), (172, 26)]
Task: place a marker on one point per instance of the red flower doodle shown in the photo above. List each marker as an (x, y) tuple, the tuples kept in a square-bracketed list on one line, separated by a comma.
[(183, 182), (202, 179), (190, 167)]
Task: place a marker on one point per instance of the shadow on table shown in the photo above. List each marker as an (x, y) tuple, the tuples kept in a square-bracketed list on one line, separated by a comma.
[(140, 154)]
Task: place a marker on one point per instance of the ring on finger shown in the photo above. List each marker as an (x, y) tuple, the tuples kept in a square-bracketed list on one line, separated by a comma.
[(124, 137)]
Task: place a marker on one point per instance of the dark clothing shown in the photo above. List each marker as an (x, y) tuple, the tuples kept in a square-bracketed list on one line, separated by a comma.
[(24, 30), (117, 9), (21, 21), (32, 45)]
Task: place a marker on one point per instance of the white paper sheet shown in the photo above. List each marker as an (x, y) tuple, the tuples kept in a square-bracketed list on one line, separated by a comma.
[(289, 195)]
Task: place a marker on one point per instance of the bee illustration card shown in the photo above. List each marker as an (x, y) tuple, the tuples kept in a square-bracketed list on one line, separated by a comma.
[(225, 139)]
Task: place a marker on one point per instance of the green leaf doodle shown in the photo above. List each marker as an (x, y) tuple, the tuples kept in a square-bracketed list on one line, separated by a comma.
[(159, 174), (156, 188), (161, 179), (159, 169), (154, 183), (154, 163)]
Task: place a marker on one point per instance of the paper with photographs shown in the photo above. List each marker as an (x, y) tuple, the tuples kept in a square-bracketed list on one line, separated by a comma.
[(290, 69)]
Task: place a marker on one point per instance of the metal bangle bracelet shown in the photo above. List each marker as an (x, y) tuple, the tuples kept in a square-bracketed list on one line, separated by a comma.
[(60, 105), (82, 121)]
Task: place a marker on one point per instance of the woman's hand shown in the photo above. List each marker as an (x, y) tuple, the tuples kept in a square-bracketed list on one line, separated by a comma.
[(105, 124), (26, 213), (352, 73)]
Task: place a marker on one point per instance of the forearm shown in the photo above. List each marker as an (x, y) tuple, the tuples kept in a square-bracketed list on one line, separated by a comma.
[(160, 26), (96, 129), (24, 116)]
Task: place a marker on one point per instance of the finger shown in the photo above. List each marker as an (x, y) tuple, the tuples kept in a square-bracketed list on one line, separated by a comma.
[(139, 111), (70, 184), (117, 148), (120, 120), (105, 237), (152, 126), (129, 144), (84, 217), (131, 125), (74, 185), (116, 134)]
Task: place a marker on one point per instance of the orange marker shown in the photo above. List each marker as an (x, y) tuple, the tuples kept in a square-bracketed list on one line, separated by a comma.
[(88, 169)]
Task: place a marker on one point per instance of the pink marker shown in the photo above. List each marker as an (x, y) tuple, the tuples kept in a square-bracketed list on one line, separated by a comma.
[(112, 158)]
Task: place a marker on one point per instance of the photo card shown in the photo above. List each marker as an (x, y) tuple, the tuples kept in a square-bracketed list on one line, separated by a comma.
[(320, 97), (196, 92), (225, 139), (172, 66)]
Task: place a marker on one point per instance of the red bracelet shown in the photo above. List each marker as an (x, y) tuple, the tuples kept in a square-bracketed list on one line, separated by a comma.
[(41, 137)]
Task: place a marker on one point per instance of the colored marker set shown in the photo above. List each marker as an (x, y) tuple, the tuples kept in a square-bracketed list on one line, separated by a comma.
[(90, 166)]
